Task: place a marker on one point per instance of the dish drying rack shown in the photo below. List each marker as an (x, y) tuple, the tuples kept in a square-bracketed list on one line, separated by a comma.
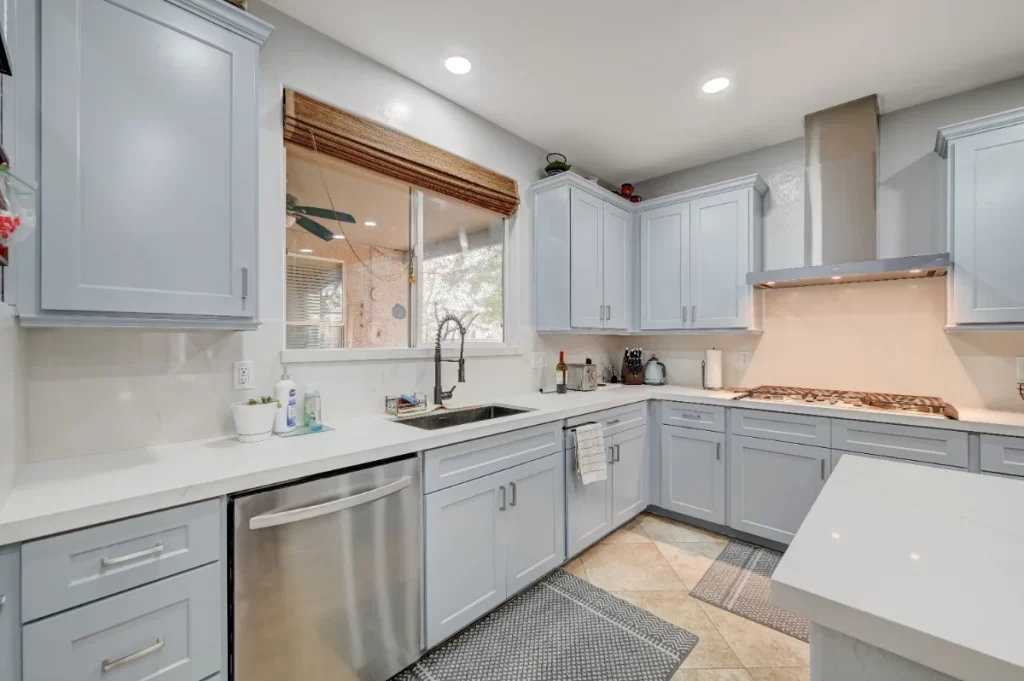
[(396, 406)]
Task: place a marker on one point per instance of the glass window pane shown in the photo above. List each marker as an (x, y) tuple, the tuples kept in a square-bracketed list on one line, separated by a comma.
[(463, 269), (355, 255)]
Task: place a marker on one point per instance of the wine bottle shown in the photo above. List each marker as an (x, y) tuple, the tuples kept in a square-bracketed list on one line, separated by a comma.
[(562, 372)]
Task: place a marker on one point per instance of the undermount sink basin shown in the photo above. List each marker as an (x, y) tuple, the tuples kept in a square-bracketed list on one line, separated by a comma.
[(446, 418)]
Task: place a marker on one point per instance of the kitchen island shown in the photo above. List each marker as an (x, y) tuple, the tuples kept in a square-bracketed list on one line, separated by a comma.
[(909, 572)]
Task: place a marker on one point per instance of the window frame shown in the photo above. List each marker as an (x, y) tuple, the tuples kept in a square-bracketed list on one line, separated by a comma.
[(419, 348)]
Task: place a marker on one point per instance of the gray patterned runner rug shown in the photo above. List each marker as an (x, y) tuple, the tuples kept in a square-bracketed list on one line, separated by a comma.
[(561, 629), (740, 581)]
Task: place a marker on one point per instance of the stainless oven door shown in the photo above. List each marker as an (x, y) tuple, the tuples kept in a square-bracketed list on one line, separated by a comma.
[(326, 577)]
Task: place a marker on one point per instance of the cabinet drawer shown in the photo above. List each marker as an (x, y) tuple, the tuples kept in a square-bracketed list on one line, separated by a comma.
[(927, 445), (614, 420), (167, 631), (1002, 454), (702, 416), (838, 454), (71, 569), (770, 425), (465, 461)]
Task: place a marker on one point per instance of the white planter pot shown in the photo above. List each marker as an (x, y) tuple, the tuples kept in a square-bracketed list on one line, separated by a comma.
[(254, 422)]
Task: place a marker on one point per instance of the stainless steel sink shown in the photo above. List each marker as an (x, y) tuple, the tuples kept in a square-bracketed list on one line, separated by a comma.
[(446, 418)]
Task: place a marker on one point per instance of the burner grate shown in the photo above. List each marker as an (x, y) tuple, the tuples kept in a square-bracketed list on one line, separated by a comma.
[(854, 399)]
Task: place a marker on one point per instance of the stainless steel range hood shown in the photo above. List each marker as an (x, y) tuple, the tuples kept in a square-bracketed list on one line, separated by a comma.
[(840, 187)]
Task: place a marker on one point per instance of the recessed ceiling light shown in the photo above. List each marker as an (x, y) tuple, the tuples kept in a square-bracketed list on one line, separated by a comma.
[(715, 85), (370, 223), (305, 250), (836, 278), (460, 66), (339, 236)]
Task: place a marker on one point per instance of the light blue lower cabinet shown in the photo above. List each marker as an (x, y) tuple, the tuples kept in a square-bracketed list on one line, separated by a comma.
[(772, 485), (10, 613), (536, 527), (488, 538), (629, 482), (693, 473), (165, 631), (587, 508)]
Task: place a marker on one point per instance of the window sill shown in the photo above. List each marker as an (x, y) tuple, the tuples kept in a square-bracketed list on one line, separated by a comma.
[(391, 354)]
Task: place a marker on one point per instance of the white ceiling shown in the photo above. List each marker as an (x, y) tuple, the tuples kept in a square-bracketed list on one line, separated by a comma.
[(615, 85)]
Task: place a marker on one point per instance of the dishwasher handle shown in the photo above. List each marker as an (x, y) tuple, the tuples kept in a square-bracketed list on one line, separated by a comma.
[(309, 512)]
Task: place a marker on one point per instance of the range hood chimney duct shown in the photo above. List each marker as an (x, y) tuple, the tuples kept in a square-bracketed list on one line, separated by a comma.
[(840, 189)]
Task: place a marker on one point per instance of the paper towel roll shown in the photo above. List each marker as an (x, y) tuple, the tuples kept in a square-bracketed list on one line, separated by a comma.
[(713, 370)]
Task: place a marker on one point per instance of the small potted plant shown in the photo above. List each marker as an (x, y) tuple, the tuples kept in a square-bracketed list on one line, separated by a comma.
[(254, 419)]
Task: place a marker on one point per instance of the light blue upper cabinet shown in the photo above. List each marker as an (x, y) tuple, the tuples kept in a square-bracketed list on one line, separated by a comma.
[(586, 263), (584, 249), (664, 281), (148, 160), (617, 277), (719, 261), (696, 249), (985, 178)]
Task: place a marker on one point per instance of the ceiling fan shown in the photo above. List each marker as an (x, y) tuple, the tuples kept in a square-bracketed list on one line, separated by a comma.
[(303, 217)]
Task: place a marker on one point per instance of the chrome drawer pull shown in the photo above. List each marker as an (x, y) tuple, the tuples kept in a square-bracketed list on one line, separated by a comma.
[(612, 422), (512, 486), (504, 499), (3, 601), (159, 548), (111, 665)]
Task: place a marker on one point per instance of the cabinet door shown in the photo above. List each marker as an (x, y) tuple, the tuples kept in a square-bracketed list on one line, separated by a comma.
[(988, 239), (586, 261), (629, 484), (719, 260), (10, 613), (148, 156), (772, 485), (693, 473), (618, 271), (588, 508), (465, 553), (536, 528), (664, 285)]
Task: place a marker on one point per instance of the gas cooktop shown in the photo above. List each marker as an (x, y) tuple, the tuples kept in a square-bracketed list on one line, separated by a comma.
[(928, 406)]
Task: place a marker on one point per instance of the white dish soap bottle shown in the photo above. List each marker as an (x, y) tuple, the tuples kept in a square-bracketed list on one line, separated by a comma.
[(286, 418)]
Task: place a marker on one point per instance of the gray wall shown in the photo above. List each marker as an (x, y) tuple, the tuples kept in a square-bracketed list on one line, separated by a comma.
[(911, 191)]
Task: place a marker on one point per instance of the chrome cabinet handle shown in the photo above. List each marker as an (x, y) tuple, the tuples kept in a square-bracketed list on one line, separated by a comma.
[(107, 562), (245, 283), (111, 665), (687, 416), (718, 451), (504, 500), (612, 422), (693, 313), (3, 601), (308, 512), (823, 469), (615, 454), (609, 317), (512, 485), (684, 314)]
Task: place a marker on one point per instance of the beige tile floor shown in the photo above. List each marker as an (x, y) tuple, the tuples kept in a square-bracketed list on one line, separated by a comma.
[(653, 563)]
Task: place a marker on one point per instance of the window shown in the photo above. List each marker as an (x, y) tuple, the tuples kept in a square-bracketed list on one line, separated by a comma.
[(373, 262)]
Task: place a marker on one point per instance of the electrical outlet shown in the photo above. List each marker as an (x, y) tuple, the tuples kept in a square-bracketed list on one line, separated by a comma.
[(243, 375), (744, 359), (538, 360), (1020, 369)]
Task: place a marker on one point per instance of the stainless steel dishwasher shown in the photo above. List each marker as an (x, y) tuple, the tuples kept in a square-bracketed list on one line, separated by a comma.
[(326, 576)]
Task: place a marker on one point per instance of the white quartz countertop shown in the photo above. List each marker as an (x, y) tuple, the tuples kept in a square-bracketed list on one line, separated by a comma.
[(65, 494), (922, 562)]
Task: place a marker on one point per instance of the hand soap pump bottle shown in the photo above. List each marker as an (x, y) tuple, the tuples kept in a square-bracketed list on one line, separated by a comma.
[(285, 393)]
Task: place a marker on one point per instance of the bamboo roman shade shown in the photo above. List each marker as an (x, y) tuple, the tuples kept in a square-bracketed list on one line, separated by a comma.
[(323, 128)]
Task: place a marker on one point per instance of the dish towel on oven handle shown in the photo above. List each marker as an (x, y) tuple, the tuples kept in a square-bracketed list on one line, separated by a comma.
[(591, 460)]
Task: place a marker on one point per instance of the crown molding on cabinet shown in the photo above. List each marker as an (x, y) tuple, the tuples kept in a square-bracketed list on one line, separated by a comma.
[(230, 17), (948, 133), (570, 178), (574, 180)]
